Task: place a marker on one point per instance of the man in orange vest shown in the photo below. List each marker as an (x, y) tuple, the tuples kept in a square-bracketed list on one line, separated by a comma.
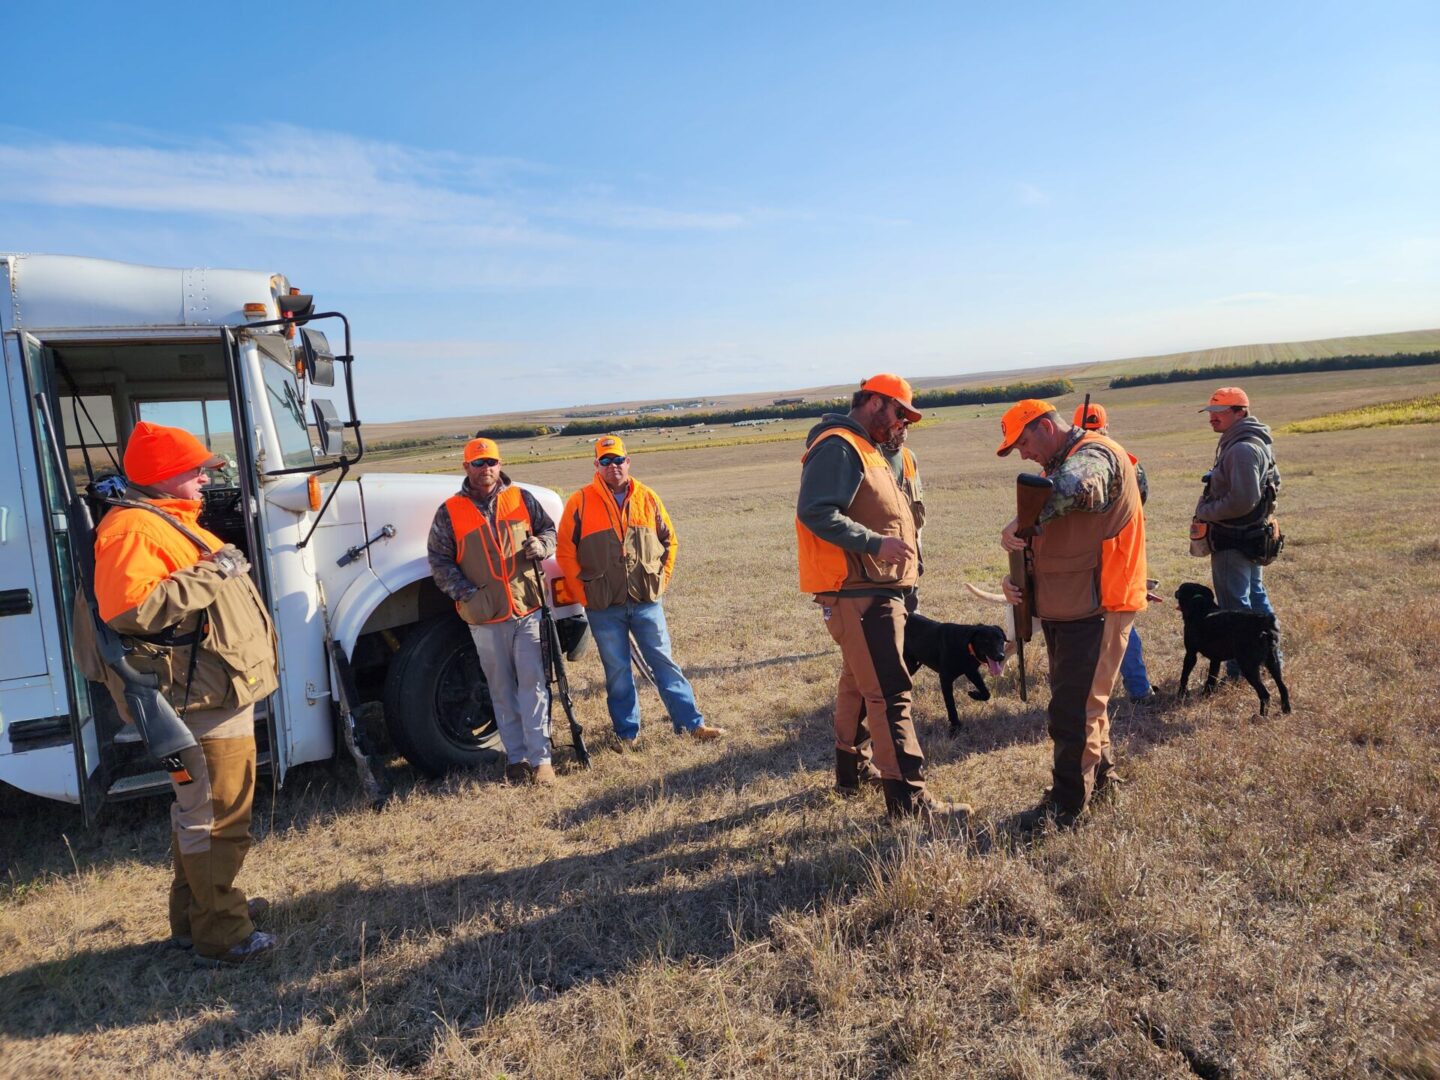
[(1089, 584), (184, 606), (482, 545), (858, 557), (617, 550)]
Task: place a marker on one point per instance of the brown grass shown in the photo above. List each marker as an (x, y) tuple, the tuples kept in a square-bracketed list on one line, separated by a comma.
[(1262, 902)]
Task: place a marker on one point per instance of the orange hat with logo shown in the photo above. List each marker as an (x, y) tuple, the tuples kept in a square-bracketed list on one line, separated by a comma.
[(1012, 424), (156, 453), (1227, 397), (479, 448), (1094, 420), (893, 386), (609, 444)]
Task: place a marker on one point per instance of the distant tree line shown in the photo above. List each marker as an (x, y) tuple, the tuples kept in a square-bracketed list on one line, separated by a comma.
[(513, 431), (1276, 367), (932, 399)]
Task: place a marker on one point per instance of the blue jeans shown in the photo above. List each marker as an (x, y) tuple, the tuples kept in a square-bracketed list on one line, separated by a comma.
[(612, 628), (1239, 586), (1132, 668)]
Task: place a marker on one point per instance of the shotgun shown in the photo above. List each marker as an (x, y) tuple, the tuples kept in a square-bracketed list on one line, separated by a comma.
[(553, 657), (1031, 494)]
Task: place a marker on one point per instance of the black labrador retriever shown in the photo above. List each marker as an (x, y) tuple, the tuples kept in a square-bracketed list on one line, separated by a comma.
[(1247, 637), (952, 650)]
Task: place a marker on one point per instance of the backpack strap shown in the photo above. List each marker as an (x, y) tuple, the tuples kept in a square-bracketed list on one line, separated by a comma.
[(188, 533)]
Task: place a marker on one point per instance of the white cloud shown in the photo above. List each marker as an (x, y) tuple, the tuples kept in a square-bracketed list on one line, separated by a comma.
[(1032, 195), (318, 179)]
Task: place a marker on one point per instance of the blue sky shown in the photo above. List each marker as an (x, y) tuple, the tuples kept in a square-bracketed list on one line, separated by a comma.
[(526, 206)]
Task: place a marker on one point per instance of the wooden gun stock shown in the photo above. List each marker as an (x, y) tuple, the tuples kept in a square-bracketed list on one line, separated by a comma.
[(1031, 494)]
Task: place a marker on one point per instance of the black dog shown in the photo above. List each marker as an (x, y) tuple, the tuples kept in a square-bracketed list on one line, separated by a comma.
[(952, 650), (1247, 637)]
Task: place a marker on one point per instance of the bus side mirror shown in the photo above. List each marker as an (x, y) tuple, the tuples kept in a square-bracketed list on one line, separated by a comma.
[(328, 427), (316, 359)]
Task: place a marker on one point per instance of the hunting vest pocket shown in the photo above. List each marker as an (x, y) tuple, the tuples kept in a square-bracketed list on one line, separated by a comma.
[(487, 603), (242, 638), (881, 573), (601, 589), (1067, 586), (645, 579)]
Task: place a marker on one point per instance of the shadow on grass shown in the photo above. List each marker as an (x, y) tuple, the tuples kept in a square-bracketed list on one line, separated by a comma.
[(386, 967)]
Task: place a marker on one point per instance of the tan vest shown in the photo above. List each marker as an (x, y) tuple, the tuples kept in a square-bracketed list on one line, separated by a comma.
[(618, 550), (882, 507), (1085, 562)]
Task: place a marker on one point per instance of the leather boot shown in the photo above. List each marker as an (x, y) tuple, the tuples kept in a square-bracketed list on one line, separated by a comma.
[(853, 774)]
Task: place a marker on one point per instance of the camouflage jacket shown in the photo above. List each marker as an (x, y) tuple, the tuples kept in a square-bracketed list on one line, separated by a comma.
[(1089, 479)]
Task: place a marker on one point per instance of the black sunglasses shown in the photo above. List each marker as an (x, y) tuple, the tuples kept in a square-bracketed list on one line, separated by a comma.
[(485, 462), (614, 459)]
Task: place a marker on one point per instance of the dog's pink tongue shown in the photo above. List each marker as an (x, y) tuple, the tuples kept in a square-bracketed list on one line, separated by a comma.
[(995, 667)]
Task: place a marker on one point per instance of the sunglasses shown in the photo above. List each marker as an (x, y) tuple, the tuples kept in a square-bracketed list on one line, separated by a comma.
[(485, 462), (614, 459)]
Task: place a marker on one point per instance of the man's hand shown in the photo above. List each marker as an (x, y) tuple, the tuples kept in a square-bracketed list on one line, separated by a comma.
[(1013, 593), (533, 548), (894, 550), (230, 561), (1008, 540)]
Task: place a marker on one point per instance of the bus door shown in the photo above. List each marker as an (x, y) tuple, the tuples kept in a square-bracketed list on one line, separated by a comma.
[(44, 700)]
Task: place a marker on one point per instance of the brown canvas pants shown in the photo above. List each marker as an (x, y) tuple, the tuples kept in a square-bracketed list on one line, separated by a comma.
[(1084, 659), (210, 831), (872, 702)]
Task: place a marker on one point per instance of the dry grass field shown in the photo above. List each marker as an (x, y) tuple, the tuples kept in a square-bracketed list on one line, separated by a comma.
[(1262, 901)]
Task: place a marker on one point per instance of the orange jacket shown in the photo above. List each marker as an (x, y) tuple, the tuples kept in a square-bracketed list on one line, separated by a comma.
[(490, 557), (609, 554), (136, 556), (150, 578)]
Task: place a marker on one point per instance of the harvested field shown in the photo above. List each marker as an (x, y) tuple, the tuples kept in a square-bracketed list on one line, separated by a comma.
[(1263, 900)]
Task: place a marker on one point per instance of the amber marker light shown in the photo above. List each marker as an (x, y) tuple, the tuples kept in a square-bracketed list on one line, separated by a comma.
[(313, 487)]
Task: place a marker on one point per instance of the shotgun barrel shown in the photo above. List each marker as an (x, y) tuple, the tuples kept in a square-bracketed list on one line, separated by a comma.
[(1031, 494)]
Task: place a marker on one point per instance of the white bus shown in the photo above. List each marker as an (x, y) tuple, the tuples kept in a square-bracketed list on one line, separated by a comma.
[(237, 358)]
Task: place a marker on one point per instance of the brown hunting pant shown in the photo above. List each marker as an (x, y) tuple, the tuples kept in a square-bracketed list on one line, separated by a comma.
[(872, 703), (1084, 659), (210, 830)]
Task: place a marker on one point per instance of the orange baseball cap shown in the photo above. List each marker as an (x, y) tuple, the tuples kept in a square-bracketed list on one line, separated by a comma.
[(893, 386), (1094, 421), (1012, 424), (609, 444), (476, 449), (1227, 397), (155, 453)]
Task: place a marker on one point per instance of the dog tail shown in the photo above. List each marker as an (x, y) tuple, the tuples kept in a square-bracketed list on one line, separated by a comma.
[(981, 594)]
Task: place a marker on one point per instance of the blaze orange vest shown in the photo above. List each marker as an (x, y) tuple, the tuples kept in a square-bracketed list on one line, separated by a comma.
[(490, 557), (610, 554), (1088, 562), (881, 506)]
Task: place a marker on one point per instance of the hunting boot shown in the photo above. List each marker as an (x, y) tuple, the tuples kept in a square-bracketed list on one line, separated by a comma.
[(902, 800), (853, 774)]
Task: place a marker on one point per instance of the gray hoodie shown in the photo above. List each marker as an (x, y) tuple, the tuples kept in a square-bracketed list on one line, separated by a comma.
[(1245, 456)]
